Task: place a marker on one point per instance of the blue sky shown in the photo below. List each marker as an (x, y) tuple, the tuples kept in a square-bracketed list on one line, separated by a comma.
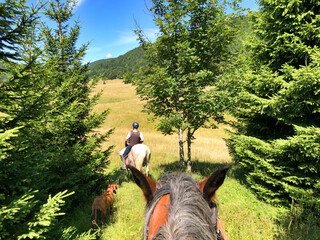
[(108, 25)]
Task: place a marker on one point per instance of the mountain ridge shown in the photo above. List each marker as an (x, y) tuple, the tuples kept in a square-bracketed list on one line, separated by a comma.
[(113, 68)]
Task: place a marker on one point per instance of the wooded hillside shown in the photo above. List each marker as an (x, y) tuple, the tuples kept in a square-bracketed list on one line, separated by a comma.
[(117, 67)]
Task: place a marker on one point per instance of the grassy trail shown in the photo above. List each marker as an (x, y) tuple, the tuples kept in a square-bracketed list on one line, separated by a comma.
[(243, 216)]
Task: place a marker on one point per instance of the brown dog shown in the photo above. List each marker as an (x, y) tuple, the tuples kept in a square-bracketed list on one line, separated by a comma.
[(103, 203)]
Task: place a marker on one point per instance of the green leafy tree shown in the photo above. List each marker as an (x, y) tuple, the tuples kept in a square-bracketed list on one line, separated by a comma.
[(278, 140), (187, 57)]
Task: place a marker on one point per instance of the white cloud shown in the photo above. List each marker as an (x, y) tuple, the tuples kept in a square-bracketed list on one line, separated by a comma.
[(109, 55)]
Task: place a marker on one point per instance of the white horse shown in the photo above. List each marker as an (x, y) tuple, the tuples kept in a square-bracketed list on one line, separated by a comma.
[(138, 157)]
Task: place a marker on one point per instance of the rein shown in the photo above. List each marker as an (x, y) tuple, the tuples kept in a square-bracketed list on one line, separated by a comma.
[(164, 190)]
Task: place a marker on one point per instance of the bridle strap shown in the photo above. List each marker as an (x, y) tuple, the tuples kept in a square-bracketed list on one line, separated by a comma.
[(214, 208)]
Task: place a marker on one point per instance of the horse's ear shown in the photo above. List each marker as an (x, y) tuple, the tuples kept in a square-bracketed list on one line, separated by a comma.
[(210, 185), (147, 185)]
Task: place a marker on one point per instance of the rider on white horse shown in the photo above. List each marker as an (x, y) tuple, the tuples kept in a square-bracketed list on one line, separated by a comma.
[(134, 137)]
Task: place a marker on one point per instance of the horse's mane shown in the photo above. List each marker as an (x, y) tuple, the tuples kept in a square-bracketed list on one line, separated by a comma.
[(189, 214)]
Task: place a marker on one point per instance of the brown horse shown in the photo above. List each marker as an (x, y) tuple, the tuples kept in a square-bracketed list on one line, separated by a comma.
[(180, 208)]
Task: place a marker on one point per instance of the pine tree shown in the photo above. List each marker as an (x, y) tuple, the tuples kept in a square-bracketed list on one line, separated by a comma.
[(64, 136), (47, 139), (20, 104), (14, 25), (278, 140), (47, 96), (22, 98)]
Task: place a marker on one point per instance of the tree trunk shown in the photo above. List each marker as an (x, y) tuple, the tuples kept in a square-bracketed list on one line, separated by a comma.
[(189, 137), (181, 152), (59, 22)]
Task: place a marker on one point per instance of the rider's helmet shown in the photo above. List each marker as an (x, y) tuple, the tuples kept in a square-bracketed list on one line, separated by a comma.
[(135, 125)]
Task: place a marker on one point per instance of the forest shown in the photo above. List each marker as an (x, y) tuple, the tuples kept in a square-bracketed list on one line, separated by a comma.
[(246, 82), (117, 68)]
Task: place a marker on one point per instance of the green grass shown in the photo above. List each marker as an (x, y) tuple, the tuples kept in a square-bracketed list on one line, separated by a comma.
[(242, 214), (127, 220)]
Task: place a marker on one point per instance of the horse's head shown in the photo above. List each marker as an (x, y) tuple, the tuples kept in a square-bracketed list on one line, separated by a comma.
[(178, 207)]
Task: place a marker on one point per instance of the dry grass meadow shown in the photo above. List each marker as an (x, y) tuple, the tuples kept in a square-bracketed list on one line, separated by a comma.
[(243, 216), (126, 107)]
